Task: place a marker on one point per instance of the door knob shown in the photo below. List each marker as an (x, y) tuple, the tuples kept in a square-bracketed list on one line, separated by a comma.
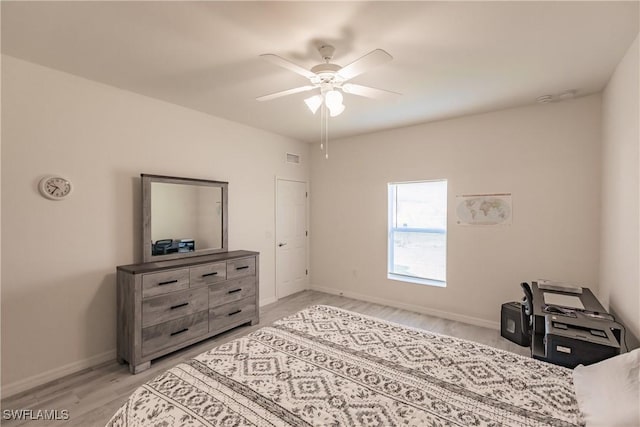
[(281, 244)]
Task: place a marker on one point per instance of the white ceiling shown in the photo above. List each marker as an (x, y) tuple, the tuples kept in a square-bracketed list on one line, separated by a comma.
[(450, 58)]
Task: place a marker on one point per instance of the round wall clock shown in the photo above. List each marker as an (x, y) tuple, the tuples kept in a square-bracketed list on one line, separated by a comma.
[(55, 187)]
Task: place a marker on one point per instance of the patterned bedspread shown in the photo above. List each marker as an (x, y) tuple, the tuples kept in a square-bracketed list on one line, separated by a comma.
[(325, 366)]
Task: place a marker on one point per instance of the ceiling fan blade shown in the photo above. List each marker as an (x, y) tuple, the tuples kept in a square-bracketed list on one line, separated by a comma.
[(278, 60), (368, 92), (285, 93), (359, 66)]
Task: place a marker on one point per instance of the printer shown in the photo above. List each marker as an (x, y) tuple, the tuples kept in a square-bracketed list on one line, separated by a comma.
[(570, 341), (168, 246)]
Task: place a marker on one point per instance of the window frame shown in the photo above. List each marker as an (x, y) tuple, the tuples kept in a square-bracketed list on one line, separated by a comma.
[(391, 230)]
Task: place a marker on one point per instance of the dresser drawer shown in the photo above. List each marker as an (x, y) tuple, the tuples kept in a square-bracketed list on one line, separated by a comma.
[(164, 282), (223, 316), (173, 332), (174, 305), (231, 290), (208, 273), (241, 267)]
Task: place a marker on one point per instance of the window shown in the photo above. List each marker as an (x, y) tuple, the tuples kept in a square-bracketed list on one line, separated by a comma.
[(418, 232)]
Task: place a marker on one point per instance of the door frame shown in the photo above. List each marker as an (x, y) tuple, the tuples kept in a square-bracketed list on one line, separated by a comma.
[(275, 227)]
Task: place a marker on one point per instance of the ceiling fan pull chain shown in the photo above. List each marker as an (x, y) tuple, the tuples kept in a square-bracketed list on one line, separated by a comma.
[(326, 137), (322, 119)]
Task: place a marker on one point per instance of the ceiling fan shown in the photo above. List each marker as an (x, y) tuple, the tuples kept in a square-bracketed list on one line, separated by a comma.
[(331, 79)]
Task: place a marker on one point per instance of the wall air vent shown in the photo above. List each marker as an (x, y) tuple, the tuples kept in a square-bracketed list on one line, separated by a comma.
[(293, 158), (564, 96)]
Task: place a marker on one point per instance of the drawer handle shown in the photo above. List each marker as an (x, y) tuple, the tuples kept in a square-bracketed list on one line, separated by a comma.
[(179, 332), (235, 312), (235, 290), (210, 274), (168, 282), (242, 268), (173, 307)]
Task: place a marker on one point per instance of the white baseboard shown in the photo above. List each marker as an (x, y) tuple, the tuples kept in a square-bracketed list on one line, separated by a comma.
[(411, 307), (16, 387), (266, 301)]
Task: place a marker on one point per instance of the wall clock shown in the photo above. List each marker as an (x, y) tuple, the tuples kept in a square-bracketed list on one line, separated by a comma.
[(55, 187)]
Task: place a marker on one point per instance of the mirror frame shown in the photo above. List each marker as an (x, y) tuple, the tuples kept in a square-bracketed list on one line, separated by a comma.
[(147, 179)]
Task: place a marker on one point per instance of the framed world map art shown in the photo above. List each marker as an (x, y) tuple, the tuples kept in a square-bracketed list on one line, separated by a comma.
[(484, 209)]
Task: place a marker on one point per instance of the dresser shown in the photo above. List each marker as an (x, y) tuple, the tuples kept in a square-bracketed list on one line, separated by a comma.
[(167, 305)]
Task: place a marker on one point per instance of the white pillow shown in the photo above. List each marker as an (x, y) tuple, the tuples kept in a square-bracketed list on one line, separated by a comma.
[(607, 391)]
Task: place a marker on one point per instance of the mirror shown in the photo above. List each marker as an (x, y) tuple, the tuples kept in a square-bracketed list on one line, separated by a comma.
[(183, 217)]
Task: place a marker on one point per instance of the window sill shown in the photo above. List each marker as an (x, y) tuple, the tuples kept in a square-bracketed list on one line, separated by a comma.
[(417, 280)]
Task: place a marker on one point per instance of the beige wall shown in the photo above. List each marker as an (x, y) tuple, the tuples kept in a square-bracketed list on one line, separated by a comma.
[(620, 254), (547, 156), (59, 258)]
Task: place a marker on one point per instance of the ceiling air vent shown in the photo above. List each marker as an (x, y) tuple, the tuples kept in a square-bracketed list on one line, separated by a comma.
[(293, 158)]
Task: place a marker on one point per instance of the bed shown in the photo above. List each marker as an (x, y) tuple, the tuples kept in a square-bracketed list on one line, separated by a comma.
[(326, 366)]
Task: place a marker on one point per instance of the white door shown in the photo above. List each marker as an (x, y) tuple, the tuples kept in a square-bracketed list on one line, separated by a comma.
[(291, 237)]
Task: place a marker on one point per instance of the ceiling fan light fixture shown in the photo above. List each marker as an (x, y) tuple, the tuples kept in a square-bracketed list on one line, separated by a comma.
[(331, 80), (314, 102), (336, 110), (333, 99)]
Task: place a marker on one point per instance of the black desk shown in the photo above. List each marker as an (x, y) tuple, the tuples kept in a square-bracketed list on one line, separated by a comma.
[(592, 314)]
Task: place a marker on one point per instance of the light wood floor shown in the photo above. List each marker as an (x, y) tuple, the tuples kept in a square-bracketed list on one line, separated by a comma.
[(93, 396)]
